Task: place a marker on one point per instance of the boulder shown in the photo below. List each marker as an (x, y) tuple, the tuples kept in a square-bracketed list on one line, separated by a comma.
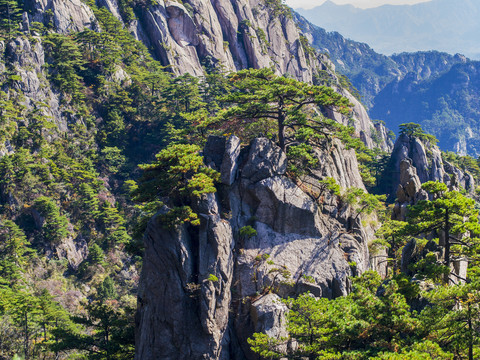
[(264, 160), (268, 315), (67, 15), (184, 297), (74, 250)]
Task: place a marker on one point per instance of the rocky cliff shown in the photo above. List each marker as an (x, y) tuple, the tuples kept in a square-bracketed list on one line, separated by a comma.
[(188, 35), (232, 35), (184, 37), (412, 157), (416, 163), (205, 290)]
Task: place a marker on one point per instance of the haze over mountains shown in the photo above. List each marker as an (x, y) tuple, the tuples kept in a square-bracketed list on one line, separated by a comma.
[(435, 89), (444, 25)]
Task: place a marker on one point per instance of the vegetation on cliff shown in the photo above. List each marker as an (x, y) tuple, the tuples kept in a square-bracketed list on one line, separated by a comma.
[(430, 316), (74, 203)]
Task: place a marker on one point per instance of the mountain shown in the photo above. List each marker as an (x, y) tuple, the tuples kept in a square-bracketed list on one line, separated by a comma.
[(444, 25), (434, 89), (89, 90), (175, 184), (446, 106), (370, 71)]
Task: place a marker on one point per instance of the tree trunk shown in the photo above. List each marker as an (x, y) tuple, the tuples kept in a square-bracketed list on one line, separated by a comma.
[(281, 125), (394, 256), (470, 334), (447, 245), (26, 336), (57, 354), (281, 135)]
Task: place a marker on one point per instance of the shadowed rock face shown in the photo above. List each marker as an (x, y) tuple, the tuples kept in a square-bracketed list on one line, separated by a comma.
[(298, 247)]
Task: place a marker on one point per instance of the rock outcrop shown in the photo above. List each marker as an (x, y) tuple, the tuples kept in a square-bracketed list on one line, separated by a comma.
[(416, 163), (27, 57), (427, 164), (205, 290), (66, 15), (409, 190)]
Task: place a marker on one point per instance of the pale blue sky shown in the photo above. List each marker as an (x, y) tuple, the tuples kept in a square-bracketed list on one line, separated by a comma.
[(308, 4)]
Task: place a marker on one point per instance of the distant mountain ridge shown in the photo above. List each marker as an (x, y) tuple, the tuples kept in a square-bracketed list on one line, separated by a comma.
[(444, 25), (370, 71), (447, 106), (437, 90)]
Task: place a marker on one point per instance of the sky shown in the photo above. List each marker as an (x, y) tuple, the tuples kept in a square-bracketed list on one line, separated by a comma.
[(308, 4)]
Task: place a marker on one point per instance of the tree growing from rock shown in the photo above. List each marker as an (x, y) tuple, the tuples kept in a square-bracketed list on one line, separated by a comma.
[(10, 16), (262, 95), (449, 214), (415, 130), (177, 176)]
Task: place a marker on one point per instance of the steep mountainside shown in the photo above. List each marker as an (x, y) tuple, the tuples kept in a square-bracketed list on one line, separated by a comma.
[(200, 34), (173, 174), (443, 25), (89, 90)]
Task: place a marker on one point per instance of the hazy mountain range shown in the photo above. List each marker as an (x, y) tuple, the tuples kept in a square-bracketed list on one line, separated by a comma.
[(435, 89), (445, 25)]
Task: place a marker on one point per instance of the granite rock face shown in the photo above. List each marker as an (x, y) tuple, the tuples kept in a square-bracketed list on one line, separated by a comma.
[(415, 163), (66, 15), (28, 59), (205, 290), (184, 296), (233, 35), (409, 191), (428, 164)]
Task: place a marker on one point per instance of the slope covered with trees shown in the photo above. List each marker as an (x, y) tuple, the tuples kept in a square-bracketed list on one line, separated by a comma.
[(83, 103)]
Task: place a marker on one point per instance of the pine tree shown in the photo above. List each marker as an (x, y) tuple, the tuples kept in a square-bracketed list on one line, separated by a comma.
[(178, 175), (10, 17), (450, 216), (260, 94), (110, 337), (391, 236), (55, 226), (453, 319), (107, 290), (14, 251)]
